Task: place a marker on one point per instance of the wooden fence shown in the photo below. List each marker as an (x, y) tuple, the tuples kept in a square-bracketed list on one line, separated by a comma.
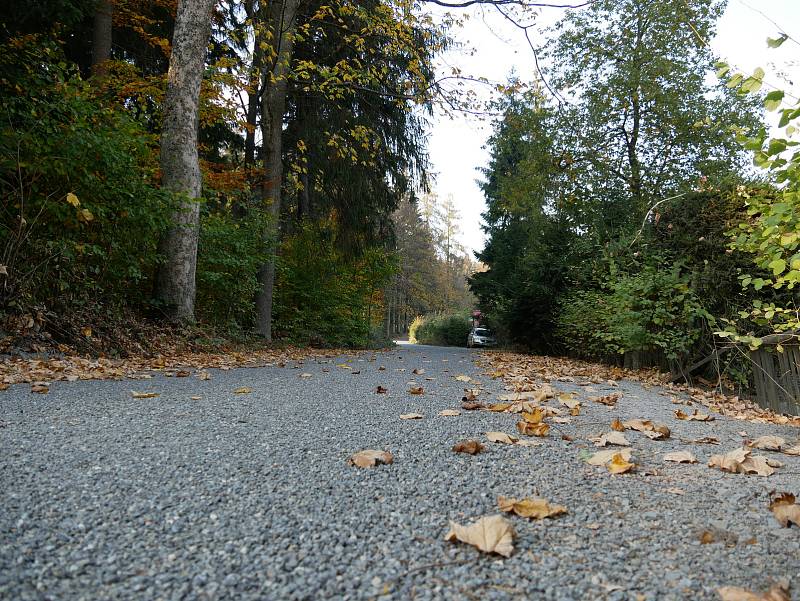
[(777, 374)]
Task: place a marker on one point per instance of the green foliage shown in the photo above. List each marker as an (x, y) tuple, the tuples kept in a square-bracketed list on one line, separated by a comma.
[(327, 296), (81, 217), (230, 253), (441, 329)]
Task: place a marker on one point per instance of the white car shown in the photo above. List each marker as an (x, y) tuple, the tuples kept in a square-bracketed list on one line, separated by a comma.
[(481, 337)]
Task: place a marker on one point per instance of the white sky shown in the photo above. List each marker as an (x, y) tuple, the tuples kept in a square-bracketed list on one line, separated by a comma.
[(457, 145)]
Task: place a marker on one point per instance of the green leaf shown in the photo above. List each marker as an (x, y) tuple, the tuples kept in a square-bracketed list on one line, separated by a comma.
[(778, 266), (773, 100), (777, 42)]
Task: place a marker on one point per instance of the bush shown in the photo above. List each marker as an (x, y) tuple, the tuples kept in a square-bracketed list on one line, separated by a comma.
[(439, 329), (81, 213)]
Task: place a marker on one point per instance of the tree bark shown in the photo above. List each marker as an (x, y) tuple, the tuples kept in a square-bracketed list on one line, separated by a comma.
[(283, 22), (180, 165), (102, 37)]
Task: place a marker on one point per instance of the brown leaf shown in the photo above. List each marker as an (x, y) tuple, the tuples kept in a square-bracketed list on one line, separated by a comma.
[(144, 395), (501, 437), (203, 375), (785, 509), (779, 592), (568, 400), (499, 407), (640, 425), (619, 465), (768, 443), (449, 412), (416, 390), (696, 416), (243, 390), (490, 534), (740, 461), (411, 416), (617, 426), (40, 388), (707, 440), (613, 438), (534, 417), (575, 410), (417, 371), (469, 395), (381, 390), (531, 507), (472, 447), (532, 429), (183, 373), (603, 457), (463, 378), (609, 399), (680, 457), (370, 458), (795, 450), (471, 406)]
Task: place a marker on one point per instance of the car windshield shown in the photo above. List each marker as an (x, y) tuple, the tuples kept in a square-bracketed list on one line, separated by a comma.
[(482, 332)]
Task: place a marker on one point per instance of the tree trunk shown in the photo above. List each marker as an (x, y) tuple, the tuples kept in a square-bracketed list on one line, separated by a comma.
[(180, 165), (283, 22), (101, 37)]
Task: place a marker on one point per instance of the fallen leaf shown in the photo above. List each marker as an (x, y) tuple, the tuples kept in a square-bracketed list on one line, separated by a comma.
[(490, 534), (418, 371), (344, 366), (560, 420), (471, 406), (411, 416), (531, 507), (640, 425), (472, 447), (795, 450), (416, 390), (696, 416), (463, 378), (785, 509), (381, 390), (676, 491), (740, 461), (768, 443), (534, 417), (370, 458), (603, 457), (573, 411), (568, 401), (779, 592), (183, 373), (4, 386), (530, 429), (680, 457), (609, 400), (40, 388), (203, 375), (469, 395), (499, 407), (381, 368), (243, 390), (195, 398), (617, 426), (501, 437), (619, 465), (707, 440), (449, 412), (306, 375), (144, 395), (613, 438)]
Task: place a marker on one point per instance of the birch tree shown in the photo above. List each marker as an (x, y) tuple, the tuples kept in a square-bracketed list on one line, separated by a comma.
[(180, 166)]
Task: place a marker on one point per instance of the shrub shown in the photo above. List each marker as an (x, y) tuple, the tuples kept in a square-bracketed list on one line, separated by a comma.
[(441, 329)]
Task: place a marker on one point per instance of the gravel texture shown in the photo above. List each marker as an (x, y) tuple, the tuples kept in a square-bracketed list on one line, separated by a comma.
[(248, 496)]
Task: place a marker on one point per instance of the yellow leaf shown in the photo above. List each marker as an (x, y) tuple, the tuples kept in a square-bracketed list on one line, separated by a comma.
[(619, 465), (243, 390), (73, 200), (532, 429), (491, 534), (501, 437), (532, 507), (144, 395)]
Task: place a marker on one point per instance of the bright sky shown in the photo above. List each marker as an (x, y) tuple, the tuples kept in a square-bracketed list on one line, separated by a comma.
[(457, 145)]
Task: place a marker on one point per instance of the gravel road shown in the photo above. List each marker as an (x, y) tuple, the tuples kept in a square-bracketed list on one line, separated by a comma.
[(248, 496)]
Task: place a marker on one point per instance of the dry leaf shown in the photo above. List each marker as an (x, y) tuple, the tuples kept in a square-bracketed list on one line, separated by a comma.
[(243, 390), (306, 375), (472, 447), (617, 426), (785, 510), (568, 401), (144, 395), (501, 437), (381, 390), (779, 592), (416, 390), (707, 440), (412, 416), (370, 458), (603, 457), (795, 450), (417, 371), (740, 461), (203, 375), (449, 412), (531, 507), (490, 534), (183, 373), (696, 416), (768, 443), (640, 425), (40, 388), (534, 417), (610, 399), (614, 438), (560, 420), (471, 406), (619, 465), (499, 407), (195, 398), (532, 429), (463, 378), (573, 411), (680, 457)]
